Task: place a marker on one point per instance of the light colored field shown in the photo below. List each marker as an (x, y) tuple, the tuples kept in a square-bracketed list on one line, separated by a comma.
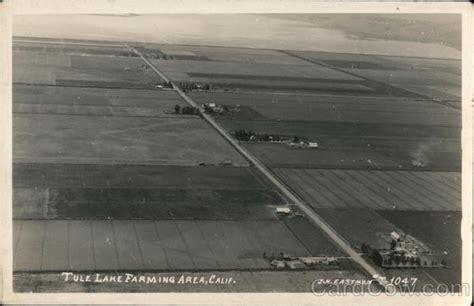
[(363, 189), (152, 245), (118, 140)]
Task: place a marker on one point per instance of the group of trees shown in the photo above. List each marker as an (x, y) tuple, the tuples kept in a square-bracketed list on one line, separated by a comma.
[(397, 259), (193, 86), (185, 110), (167, 84), (244, 135)]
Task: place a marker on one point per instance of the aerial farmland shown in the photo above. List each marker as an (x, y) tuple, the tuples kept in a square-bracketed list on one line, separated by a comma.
[(136, 156)]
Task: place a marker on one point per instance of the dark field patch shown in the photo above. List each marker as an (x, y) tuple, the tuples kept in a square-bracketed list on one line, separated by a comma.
[(153, 204), (345, 130), (359, 226), (396, 113), (104, 84), (268, 78), (314, 240), (134, 176), (75, 50), (324, 87), (284, 156), (354, 64)]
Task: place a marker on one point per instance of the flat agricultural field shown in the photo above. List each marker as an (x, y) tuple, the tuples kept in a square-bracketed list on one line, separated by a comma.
[(255, 74), (340, 109), (100, 102), (435, 78), (118, 140), (95, 192), (48, 245), (360, 226), (331, 131), (375, 189), (278, 155), (82, 70)]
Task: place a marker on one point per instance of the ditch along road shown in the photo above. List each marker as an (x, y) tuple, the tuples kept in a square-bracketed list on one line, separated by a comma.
[(307, 210)]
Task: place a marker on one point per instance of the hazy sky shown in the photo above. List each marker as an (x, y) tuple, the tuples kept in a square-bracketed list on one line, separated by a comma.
[(405, 35)]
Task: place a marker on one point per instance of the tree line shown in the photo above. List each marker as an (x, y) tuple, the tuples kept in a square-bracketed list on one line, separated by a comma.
[(186, 110)]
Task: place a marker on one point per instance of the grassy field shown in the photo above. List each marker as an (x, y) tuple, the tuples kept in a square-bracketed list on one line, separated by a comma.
[(364, 189), (67, 70), (118, 140)]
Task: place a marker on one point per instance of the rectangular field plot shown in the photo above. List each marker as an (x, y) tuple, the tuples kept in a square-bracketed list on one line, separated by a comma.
[(363, 189), (136, 203), (340, 109), (118, 140), (74, 48), (154, 245), (86, 71), (278, 155), (44, 175), (360, 226), (76, 96), (181, 70)]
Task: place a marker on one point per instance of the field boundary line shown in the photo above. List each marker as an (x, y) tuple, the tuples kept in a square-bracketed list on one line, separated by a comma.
[(377, 83), (315, 218)]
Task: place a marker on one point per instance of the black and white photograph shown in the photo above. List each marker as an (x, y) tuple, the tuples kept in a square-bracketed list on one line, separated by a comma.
[(238, 153)]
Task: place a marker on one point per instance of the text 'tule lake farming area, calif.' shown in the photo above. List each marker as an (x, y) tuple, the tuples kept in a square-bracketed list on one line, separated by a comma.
[(265, 151)]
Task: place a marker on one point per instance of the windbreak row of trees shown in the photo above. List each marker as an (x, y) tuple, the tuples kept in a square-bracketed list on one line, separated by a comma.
[(193, 86), (398, 259), (185, 110), (245, 135)]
